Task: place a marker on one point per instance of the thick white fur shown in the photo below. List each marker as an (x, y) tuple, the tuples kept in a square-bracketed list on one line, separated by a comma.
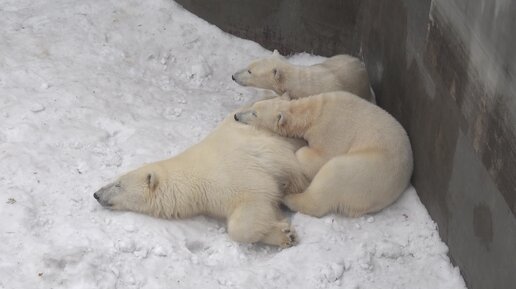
[(237, 172), (340, 72), (359, 156)]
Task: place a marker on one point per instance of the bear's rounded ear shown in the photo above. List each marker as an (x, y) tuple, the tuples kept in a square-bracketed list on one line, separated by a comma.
[(282, 120), (152, 181), (277, 74), (276, 54), (285, 96)]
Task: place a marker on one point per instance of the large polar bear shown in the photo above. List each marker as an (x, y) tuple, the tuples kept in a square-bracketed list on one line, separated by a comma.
[(237, 172), (340, 72), (358, 155)]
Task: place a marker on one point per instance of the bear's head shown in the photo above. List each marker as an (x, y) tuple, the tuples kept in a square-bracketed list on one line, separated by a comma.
[(263, 73), (270, 114), (134, 191)]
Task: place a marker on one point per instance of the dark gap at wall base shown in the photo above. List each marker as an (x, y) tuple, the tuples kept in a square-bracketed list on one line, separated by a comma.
[(446, 70)]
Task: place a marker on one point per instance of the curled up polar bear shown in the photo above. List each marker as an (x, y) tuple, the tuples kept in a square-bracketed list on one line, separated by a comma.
[(340, 72), (358, 156), (237, 172)]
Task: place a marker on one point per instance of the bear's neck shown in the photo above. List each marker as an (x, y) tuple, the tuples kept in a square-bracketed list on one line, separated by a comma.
[(301, 114), (183, 195), (293, 77)]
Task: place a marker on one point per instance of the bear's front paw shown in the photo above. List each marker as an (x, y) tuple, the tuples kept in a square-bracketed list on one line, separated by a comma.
[(289, 239)]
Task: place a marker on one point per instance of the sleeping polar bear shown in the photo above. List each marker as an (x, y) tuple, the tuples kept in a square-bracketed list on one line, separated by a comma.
[(237, 172), (358, 155), (340, 72)]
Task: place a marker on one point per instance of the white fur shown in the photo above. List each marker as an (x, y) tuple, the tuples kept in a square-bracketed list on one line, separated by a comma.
[(359, 156), (340, 72), (237, 172)]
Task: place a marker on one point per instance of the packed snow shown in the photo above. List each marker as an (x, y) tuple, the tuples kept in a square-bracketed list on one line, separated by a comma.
[(92, 89)]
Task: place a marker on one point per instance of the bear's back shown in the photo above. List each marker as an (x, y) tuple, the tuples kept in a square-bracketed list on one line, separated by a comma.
[(351, 118), (348, 73), (240, 156)]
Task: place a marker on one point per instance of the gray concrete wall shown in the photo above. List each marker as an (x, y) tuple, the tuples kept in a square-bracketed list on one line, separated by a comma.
[(446, 70)]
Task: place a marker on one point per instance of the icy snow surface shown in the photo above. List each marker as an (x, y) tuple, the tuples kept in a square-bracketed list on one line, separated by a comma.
[(92, 89)]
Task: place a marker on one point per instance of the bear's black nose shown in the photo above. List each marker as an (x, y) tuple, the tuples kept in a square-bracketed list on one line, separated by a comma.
[(233, 77), (236, 117), (96, 196)]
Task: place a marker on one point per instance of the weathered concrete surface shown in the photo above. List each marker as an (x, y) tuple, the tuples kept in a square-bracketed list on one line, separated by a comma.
[(446, 69), (293, 25)]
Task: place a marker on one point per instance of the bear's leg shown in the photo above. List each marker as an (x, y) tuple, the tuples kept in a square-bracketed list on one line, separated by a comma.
[(259, 222), (322, 195), (352, 184), (311, 160), (309, 203)]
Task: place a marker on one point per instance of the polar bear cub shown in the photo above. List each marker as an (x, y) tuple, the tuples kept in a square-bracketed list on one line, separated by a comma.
[(237, 172), (358, 155), (340, 72)]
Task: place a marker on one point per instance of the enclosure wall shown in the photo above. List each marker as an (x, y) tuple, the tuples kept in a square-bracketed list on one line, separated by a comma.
[(446, 70)]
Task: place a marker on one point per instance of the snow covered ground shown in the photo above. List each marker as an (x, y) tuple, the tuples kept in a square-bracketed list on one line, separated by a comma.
[(91, 89)]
